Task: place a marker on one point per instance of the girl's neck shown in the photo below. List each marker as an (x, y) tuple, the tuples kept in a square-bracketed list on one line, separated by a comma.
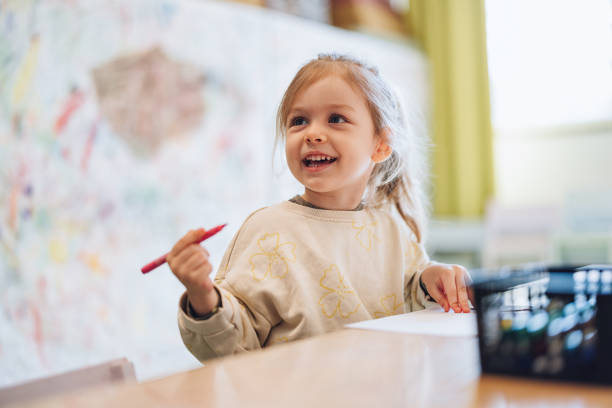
[(329, 201), (299, 200)]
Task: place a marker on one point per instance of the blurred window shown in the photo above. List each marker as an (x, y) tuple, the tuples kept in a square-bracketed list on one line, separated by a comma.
[(550, 62)]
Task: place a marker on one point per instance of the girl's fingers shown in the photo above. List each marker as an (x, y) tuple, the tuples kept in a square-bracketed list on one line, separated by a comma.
[(179, 259), (439, 297), (462, 294), (450, 288), (191, 237), (199, 271), (193, 269), (195, 262)]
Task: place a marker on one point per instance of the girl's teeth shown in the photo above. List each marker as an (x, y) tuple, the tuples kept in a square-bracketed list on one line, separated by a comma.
[(315, 160)]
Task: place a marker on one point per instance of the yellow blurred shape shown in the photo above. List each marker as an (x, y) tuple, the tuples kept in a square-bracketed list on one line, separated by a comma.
[(506, 324), (24, 77), (58, 250), (93, 262)]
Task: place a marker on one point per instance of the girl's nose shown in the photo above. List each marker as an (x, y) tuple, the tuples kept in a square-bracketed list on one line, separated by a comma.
[(315, 137)]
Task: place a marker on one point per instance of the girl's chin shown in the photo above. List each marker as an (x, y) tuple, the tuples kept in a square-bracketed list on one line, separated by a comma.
[(316, 190)]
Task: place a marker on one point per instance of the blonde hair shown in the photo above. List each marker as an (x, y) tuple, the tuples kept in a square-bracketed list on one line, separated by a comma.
[(397, 182)]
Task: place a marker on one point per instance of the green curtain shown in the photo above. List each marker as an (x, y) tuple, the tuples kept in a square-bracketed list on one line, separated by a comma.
[(452, 35)]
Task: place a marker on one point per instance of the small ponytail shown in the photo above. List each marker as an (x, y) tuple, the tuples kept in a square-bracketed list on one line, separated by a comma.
[(395, 194)]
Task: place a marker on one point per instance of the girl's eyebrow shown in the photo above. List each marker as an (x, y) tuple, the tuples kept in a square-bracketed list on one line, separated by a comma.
[(341, 106), (301, 109)]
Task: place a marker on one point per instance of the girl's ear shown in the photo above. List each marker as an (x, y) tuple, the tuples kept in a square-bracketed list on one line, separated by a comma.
[(383, 150)]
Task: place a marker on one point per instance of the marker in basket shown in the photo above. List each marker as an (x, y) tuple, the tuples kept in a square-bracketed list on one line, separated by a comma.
[(162, 259)]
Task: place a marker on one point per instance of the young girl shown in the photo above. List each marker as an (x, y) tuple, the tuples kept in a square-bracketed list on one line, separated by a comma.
[(348, 249)]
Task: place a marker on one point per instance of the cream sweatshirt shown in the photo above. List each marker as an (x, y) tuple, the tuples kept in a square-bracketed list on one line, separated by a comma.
[(293, 272)]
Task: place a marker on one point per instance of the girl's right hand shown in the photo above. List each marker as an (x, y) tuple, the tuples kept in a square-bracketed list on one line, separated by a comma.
[(189, 263)]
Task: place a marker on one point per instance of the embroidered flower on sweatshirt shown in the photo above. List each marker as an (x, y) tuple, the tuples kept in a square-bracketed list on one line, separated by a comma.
[(365, 234), (273, 260), (390, 306), (339, 299)]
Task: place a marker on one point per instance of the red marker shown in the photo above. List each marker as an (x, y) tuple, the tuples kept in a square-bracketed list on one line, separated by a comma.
[(162, 259)]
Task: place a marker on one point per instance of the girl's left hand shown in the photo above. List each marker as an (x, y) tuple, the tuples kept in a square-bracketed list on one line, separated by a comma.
[(448, 285)]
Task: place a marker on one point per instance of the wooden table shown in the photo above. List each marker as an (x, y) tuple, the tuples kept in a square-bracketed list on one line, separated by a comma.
[(348, 368)]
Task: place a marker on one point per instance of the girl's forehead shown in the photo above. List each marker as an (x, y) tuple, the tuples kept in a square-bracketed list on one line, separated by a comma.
[(341, 77), (330, 85)]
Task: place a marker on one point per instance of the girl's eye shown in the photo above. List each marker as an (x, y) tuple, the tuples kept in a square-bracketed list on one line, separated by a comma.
[(297, 121), (336, 119)]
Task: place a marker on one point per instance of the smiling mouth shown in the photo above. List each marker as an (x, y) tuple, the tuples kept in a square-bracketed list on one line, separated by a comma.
[(318, 161)]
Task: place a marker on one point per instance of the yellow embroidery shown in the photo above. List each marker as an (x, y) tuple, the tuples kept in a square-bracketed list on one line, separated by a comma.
[(282, 339), (390, 306), (365, 234), (274, 256), (340, 298)]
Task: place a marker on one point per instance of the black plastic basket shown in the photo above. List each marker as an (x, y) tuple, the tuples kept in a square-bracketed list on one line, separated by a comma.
[(551, 322)]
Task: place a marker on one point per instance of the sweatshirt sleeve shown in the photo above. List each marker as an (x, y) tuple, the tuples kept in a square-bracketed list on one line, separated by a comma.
[(230, 330), (416, 261), (248, 311)]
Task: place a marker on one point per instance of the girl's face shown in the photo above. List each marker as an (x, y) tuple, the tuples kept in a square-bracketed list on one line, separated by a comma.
[(331, 144)]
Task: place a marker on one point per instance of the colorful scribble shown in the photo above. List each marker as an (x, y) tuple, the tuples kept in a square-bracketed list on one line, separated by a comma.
[(89, 146), (148, 98), (24, 77), (75, 100)]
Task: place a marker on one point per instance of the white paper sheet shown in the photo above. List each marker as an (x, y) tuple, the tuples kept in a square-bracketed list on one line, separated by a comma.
[(432, 321)]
